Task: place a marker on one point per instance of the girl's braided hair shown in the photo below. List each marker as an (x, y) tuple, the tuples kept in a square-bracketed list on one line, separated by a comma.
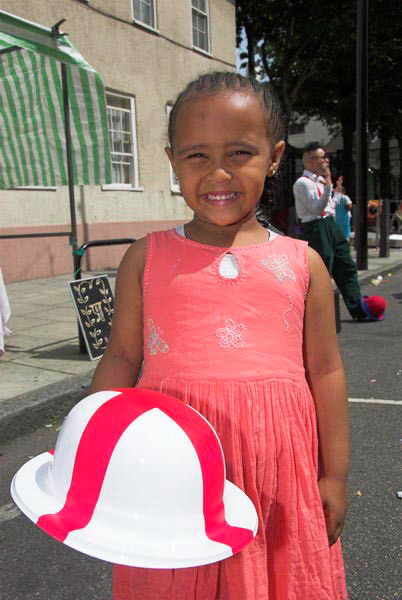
[(217, 81)]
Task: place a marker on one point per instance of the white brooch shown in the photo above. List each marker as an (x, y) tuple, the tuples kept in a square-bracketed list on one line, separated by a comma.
[(231, 334)]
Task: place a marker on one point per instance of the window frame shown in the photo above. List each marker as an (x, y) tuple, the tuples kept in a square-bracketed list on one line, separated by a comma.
[(142, 23), (207, 15), (174, 182), (134, 186)]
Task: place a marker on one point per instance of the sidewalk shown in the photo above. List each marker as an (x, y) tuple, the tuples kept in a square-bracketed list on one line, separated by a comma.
[(42, 373)]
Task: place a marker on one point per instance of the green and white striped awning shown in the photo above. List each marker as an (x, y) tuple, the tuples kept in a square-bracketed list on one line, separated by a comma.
[(32, 132)]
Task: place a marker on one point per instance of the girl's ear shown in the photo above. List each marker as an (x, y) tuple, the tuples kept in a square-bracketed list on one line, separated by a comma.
[(276, 157), (169, 153)]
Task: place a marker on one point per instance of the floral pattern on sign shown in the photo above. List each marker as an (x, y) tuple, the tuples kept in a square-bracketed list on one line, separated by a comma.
[(155, 341), (97, 312), (280, 266), (231, 334)]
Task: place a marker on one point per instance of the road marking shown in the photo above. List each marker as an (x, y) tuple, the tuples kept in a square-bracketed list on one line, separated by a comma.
[(374, 401), (9, 511)]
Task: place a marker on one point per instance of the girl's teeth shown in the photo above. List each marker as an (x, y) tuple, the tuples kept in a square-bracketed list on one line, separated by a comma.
[(221, 196)]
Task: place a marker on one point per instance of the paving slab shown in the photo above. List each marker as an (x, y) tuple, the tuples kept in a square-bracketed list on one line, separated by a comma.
[(61, 358), (23, 323), (19, 379)]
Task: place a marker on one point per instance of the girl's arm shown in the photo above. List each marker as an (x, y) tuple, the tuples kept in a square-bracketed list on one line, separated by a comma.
[(327, 382), (121, 362)]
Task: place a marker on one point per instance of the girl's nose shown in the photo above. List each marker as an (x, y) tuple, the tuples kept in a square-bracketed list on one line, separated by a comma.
[(219, 175)]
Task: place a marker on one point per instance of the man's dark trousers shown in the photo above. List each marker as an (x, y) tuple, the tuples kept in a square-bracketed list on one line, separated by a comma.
[(327, 239)]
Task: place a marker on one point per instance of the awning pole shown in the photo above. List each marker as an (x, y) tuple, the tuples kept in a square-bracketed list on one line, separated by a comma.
[(69, 156), (70, 176)]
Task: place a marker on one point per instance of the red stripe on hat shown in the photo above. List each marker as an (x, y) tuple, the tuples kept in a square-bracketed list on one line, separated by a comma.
[(208, 450), (97, 444)]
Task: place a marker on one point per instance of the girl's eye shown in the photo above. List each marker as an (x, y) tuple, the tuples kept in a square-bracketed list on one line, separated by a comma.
[(196, 155), (241, 153)]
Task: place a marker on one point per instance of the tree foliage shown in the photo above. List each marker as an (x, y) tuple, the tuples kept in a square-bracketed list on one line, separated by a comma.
[(286, 40), (307, 50)]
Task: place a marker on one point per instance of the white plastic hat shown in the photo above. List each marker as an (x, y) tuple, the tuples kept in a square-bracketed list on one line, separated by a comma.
[(137, 478)]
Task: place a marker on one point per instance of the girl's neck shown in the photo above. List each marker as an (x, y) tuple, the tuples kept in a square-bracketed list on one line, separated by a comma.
[(246, 232)]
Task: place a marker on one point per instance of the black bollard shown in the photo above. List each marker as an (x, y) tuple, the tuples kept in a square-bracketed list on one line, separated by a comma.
[(384, 229)]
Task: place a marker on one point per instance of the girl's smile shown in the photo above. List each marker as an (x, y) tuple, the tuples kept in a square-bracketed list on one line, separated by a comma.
[(222, 198)]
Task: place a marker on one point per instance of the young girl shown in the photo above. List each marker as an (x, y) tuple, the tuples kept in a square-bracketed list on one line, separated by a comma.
[(239, 323), (343, 208)]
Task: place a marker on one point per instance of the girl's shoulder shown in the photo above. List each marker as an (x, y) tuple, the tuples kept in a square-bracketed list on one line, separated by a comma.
[(138, 249), (292, 244), (134, 259)]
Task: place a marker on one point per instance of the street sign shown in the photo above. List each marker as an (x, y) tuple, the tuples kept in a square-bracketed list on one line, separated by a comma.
[(93, 302)]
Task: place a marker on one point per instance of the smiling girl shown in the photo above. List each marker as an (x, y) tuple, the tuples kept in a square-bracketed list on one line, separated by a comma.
[(239, 323)]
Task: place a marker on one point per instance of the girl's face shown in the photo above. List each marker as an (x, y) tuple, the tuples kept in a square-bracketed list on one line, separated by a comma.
[(221, 155)]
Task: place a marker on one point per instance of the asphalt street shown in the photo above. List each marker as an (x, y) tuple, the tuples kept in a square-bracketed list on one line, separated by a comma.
[(36, 566), (372, 351)]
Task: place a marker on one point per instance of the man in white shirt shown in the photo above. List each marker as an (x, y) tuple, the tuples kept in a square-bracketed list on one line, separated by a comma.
[(315, 211)]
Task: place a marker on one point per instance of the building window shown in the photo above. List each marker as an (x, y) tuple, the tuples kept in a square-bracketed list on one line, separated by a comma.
[(123, 141), (174, 182), (144, 12), (200, 24)]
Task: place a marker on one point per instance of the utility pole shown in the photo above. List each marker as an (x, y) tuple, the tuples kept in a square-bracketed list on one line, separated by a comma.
[(361, 134)]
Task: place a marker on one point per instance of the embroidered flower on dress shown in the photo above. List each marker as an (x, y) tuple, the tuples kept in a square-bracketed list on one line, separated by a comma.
[(285, 312), (231, 334), (279, 264), (281, 268), (155, 341)]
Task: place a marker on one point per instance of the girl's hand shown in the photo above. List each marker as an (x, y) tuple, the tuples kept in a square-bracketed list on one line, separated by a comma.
[(333, 494)]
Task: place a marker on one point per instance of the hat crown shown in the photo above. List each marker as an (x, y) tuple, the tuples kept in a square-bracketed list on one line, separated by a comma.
[(153, 468)]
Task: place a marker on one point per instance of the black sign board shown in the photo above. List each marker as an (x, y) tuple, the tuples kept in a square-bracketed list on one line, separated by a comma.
[(93, 302)]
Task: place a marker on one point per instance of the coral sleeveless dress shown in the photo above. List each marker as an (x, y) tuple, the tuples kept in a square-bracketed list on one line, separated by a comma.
[(231, 347)]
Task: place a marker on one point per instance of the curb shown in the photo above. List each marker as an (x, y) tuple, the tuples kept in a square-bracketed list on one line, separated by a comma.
[(367, 276), (24, 413)]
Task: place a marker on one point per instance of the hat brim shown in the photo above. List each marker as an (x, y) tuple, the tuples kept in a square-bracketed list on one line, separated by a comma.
[(129, 547)]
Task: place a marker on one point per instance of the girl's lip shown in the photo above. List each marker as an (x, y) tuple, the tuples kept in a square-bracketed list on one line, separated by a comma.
[(221, 198)]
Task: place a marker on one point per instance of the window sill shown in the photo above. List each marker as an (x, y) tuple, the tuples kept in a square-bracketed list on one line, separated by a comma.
[(149, 28), (34, 188), (203, 52), (120, 188)]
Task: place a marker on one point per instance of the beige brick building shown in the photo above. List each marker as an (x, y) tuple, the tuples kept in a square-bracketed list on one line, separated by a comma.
[(145, 51)]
